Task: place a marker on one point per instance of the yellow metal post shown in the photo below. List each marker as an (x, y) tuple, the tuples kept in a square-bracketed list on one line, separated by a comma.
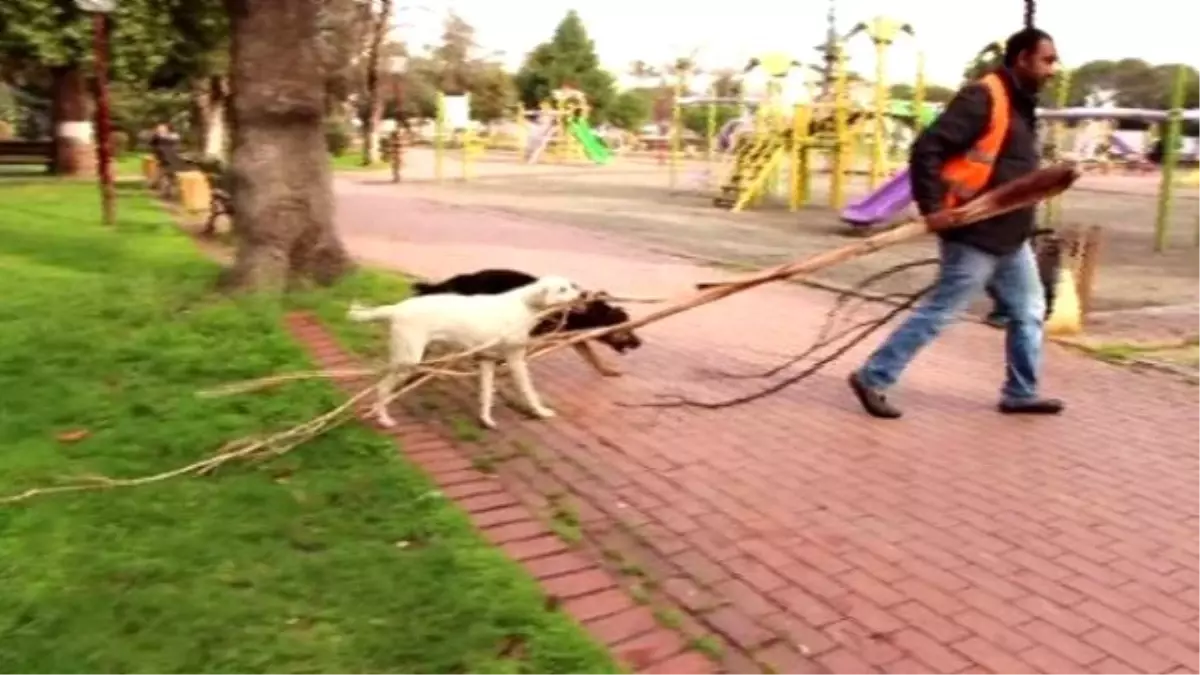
[(919, 92), (676, 130), (1057, 136), (710, 140), (439, 130), (800, 145), (881, 107), (841, 140), (464, 160), (522, 129)]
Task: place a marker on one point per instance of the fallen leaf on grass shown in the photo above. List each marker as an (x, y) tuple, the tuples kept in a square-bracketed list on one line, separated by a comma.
[(512, 647), (72, 436)]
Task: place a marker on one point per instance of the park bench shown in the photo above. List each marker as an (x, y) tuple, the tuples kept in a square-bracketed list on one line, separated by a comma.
[(27, 153)]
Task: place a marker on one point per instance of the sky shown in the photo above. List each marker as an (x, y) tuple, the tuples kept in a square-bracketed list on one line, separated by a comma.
[(950, 32)]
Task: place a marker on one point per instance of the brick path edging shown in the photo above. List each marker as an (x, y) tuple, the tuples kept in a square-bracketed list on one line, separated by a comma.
[(586, 590)]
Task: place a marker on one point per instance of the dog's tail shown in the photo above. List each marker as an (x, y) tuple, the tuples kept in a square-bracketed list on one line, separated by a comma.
[(359, 312)]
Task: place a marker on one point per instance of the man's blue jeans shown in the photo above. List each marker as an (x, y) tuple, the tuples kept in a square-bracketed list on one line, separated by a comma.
[(963, 273)]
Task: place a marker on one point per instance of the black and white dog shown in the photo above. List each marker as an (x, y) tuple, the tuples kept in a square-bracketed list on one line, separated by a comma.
[(1048, 247), (596, 313)]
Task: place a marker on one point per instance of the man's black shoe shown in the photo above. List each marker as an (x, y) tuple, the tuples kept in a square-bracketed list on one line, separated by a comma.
[(1037, 406), (874, 402)]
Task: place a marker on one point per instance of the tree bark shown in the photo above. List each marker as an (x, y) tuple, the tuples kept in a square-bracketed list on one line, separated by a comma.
[(210, 100), (282, 181), (74, 138), (374, 108)]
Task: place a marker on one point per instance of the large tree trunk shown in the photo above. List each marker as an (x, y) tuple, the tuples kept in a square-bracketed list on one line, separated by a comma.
[(374, 104), (282, 182), (74, 141), (209, 101)]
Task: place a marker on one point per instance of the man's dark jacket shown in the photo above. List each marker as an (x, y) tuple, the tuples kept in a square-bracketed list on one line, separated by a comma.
[(954, 132)]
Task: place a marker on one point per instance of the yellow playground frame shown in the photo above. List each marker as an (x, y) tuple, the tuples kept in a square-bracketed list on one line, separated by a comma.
[(563, 105), (786, 139)]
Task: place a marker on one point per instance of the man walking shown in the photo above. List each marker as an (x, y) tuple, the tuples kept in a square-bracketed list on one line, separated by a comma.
[(986, 137)]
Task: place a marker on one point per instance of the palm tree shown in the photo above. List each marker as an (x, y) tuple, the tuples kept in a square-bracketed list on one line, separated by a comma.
[(987, 59), (642, 70), (882, 30)]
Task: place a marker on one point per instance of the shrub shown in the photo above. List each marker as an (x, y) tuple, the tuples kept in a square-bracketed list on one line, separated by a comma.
[(337, 137)]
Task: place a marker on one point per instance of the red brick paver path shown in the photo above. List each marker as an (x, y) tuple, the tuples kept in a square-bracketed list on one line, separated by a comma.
[(814, 539)]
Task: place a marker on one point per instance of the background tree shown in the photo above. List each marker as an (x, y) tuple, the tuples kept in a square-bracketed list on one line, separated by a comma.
[(381, 18), (631, 109), (681, 70), (345, 33), (420, 88), (568, 58), (453, 56), (934, 93), (493, 94), (695, 117), (643, 71), (726, 84), (153, 44), (283, 194)]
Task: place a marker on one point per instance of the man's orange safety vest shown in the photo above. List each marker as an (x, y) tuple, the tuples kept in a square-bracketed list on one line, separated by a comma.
[(967, 175)]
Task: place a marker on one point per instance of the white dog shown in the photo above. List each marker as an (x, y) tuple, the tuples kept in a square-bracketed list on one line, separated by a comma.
[(496, 325)]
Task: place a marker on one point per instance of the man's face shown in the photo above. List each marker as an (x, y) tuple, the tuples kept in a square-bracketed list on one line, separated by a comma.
[(1039, 64)]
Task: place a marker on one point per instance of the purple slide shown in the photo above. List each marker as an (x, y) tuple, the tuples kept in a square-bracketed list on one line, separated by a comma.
[(1121, 148), (881, 205)]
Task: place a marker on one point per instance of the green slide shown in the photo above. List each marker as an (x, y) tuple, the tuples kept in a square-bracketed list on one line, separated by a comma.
[(593, 146)]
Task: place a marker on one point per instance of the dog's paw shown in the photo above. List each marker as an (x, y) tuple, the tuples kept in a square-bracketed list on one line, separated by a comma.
[(385, 420), (544, 413), (488, 422)]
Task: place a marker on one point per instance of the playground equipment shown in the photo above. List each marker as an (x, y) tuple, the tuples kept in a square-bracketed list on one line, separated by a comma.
[(782, 134), (779, 131), (882, 31), (562, 130), (789, 123)]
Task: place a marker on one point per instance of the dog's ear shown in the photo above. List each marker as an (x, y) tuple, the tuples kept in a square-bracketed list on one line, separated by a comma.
[(538, 296)]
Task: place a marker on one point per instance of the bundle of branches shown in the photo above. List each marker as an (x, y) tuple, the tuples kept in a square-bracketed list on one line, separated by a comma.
[(1044, 184)]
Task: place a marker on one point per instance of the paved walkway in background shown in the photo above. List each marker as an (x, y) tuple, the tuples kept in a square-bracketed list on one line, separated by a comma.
[(815, 539)]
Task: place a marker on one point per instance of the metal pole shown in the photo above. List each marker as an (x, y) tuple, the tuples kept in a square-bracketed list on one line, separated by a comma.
[(878, 155), (397, 137), (103, 123), (1170, 153), (676, 131), (439, 128)]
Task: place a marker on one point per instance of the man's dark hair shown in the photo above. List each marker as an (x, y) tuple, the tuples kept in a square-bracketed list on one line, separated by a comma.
[(1022, 41), (1025, 39)]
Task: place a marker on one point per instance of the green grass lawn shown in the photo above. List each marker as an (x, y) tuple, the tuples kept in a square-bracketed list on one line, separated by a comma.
[(338, 557), (352, 161), (130, 164)]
